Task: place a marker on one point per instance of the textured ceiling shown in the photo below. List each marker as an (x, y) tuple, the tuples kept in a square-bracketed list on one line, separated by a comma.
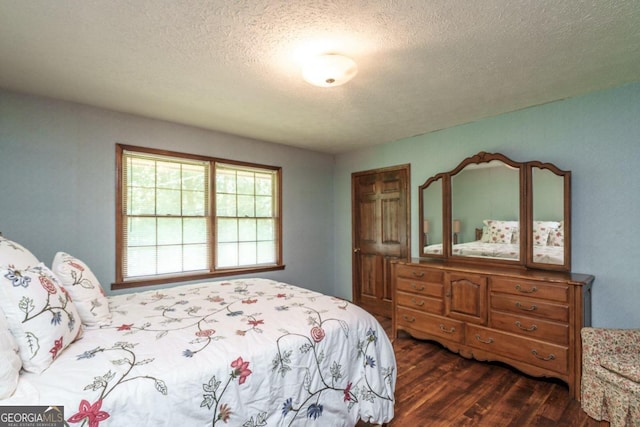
[(234, 66)]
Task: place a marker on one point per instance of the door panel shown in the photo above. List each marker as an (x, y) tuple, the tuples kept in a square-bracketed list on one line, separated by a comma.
[(380, 234), (368, 221), (390, 228), (466, 297)]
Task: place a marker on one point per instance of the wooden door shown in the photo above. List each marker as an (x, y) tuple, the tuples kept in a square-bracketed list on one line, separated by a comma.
[(380, 231)]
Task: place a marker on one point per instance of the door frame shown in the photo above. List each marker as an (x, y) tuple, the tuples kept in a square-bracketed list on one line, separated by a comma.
[(355, 294)]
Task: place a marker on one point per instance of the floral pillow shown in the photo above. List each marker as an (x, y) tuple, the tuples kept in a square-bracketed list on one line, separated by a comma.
[(501, 231), (40, 313), (12, 253), (556, 237), (542, 230), (486, 235), (84, 288), (10, 357), (515, 236)]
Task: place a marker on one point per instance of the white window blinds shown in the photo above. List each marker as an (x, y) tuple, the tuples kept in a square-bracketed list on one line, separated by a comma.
[(166, 215), (246, 216)]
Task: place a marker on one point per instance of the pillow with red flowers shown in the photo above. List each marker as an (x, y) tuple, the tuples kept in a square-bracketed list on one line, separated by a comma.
[(40, 314), (84, 288), (556, 237), (500, 231), (10, 357), (12, 253), (542, 230)]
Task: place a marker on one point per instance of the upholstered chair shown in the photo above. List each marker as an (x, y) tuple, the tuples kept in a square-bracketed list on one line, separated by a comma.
[(610, 388)]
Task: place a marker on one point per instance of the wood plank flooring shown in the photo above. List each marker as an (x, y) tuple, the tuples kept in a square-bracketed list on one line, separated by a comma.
[(436, 387)]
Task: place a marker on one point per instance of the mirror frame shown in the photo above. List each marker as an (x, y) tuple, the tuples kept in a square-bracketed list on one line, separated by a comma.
[(444, 179), (526, 220), (566, 177)]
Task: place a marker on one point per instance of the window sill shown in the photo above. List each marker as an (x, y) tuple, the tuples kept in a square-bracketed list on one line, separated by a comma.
[(159, 280)]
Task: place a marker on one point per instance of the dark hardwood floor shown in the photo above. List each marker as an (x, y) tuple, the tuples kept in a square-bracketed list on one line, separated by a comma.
[(436, 387)]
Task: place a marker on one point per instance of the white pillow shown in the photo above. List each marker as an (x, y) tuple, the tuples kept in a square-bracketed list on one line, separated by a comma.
[(486, 235), (84, 288), (515, 237), (500, 231), (542, 230), (40, 313), (10, 357), (12, 253), (556, 237)]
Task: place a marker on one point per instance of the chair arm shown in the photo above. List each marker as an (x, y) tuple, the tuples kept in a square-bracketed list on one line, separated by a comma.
[(597, 342)]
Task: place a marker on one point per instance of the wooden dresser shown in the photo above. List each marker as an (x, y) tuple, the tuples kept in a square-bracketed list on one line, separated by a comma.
[(529, 319)]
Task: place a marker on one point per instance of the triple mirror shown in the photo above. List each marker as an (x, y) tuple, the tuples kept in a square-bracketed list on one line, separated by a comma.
[(493, 210)]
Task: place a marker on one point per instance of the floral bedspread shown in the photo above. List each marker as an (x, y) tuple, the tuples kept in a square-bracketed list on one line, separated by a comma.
[(541, 254), (250, 352)]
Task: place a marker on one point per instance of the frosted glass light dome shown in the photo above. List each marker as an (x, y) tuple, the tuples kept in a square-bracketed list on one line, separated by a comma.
[(329, 70)]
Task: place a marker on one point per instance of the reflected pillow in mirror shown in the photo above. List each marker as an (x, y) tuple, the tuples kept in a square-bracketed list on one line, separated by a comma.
[(501, 231), (515, 236), (486, 235), (542, 230), (556, 237)]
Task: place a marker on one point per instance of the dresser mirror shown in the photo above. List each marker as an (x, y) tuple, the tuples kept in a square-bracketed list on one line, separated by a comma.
[(493, 210), (550, 207), (431, 212)]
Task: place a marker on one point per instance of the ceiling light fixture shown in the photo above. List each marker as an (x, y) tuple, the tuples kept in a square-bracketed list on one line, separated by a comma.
[(329, 70)]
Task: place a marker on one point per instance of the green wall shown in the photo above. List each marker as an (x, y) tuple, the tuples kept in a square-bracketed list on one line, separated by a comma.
[(596, 136)]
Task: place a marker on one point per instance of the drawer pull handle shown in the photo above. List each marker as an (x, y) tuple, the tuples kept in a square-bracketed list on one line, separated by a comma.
[(521, 307), (449, 331), (418, 303), (546, 359), (488, 341), (418, 274), (416, 288), (530, 329), (408, 319), (526, 291)]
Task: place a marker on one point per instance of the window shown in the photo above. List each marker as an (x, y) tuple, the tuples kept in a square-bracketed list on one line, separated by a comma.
[(175, 223), (245, 217)]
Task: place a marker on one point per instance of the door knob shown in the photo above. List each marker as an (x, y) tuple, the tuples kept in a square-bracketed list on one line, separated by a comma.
[(356, 250)]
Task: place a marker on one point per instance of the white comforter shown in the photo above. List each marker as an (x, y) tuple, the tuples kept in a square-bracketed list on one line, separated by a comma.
[(248, 352), (541, 254)]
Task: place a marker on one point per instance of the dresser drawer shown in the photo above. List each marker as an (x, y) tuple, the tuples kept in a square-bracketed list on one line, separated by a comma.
[(532, 288), (419, 274), (531, 327), (443, 327), (420, 302), (433, 289), (533, 352), (530, 307)]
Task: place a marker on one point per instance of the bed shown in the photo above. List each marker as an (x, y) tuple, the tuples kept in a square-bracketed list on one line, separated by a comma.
[(245, 352), (500, 240)]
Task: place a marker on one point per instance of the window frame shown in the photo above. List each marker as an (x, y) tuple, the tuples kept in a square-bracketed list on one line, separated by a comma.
[(122, 283)]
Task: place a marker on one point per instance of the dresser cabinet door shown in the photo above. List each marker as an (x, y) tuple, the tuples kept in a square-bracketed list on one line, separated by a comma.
[(466, 297)]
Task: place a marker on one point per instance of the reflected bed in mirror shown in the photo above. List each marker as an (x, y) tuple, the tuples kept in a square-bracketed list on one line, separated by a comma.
[(489, 189), (500, 240), (493, 210)]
